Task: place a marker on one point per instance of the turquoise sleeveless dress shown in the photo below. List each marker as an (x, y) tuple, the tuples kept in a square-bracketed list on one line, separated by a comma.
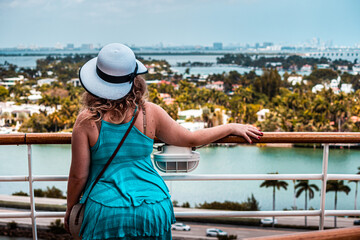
[(131, 200)]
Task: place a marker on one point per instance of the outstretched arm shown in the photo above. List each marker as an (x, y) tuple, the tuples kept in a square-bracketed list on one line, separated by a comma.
[(173, 133)]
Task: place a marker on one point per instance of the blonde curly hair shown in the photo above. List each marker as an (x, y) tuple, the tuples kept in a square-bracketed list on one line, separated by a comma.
[(97, 107)]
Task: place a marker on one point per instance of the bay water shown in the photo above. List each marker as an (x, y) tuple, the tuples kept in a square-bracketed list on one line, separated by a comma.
[(242, 159), (30, 62)]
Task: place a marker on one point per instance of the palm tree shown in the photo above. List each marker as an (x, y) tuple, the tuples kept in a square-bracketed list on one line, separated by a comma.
[(337, 186), (302, 186), (356, 188), (274, 184)]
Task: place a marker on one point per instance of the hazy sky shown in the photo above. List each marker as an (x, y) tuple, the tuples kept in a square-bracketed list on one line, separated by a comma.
[(177, 22)]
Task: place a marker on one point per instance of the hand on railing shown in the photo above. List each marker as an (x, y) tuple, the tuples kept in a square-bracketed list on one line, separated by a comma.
[(246, 131)]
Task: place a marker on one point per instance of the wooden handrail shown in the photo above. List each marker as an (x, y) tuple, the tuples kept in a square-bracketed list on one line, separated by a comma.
[(269, 137), (352, 233)]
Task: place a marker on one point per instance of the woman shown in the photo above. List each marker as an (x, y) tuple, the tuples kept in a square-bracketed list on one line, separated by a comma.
[(131, 200)]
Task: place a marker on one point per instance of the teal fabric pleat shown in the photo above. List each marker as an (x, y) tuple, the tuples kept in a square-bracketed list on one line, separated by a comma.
[(131, 200), (147, 221)]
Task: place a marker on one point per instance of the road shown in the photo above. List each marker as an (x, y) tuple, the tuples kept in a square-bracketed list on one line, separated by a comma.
[(198, 231)]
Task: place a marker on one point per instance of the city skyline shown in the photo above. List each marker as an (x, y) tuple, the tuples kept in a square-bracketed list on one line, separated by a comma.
[(309, 43), (44, 23)]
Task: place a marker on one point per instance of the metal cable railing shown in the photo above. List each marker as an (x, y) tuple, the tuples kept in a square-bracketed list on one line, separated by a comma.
[(325, 138)]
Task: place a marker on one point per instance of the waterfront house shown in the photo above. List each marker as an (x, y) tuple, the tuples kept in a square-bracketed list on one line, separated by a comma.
[(350, 55), (190, 114), (167, 98), (346, 88), (273, 64), (48, 81), (203, 78), (334, 83), (11, 114), (75, 82), (148, 82), (295, 79), (218, 85), (342, 68), (323, 66), (293, 68), (306, 68), (262, 114), (356, 68), (11, 81), (35, 95)]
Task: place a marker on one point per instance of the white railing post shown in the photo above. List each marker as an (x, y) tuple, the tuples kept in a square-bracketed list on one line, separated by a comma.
[(323, 185), (31, 191)]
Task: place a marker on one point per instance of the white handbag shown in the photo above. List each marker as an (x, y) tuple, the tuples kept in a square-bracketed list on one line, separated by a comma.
[(76, 219)]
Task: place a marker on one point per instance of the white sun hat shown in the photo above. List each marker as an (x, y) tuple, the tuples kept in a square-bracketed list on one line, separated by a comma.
[(111, 74)]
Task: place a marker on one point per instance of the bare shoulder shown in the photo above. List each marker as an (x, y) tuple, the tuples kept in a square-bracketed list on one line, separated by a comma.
[(150, 105), (153, 108), (83, 122)]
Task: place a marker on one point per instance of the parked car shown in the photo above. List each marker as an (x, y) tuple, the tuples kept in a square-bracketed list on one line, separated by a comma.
[(357, 222), (267, 221), (180, 227), (214, 232)]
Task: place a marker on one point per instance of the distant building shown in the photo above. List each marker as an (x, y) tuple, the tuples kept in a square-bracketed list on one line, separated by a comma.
[(191, 113), (306, 68), (217, 46), (267, 44), (203, 78), (8, 82), (262, 114), (148, 82), (87, 46), (356, 68), (273, 64), (295, 80), (48, 81), (346, 88), (342, 68), (70, 46), (11, 113), (35, 95), (293, 68), (317, 88), (350, 55), (218, 85), (167, 98), (323, 66), (334, 83), (75, 82)]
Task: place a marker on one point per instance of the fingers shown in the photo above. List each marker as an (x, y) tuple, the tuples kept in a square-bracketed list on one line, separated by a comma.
[(247, 138), (66, 222), (256, 131), (248, 132), (253, 135), (253, 132), (66, 225)]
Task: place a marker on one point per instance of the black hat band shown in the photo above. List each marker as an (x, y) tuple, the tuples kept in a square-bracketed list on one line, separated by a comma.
[(117, 79)]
